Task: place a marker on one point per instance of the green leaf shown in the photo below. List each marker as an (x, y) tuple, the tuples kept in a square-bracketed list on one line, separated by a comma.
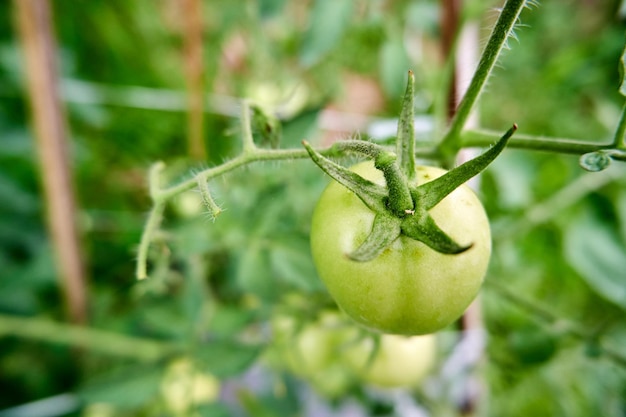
[(594, 249), (128, 389), (329, 20), (291, 261), (227, 321), (254, 272), (394, 65), (225, 359), (213, 410)]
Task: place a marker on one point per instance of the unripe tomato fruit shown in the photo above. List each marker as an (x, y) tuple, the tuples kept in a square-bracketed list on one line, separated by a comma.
[(311, 351), (184, 387), (410, 288), (399, 361)]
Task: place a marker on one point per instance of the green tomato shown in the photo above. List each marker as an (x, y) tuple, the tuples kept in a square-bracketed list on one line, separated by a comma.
[(184, 387), (409, 289), (311, 351), (399, 361), (303, 350)]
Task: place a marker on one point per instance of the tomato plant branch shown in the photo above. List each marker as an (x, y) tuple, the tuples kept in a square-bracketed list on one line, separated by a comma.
[(481, 138), (152, 225), (207, 199), (405, 142), (509, 15), (160, 196), (246, 126)]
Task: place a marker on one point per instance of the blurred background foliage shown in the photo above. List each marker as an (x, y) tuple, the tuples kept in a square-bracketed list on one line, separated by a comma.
[(555, 296)]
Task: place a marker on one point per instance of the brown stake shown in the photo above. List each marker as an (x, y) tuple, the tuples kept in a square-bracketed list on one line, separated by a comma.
[(194, 69), (35, 28)]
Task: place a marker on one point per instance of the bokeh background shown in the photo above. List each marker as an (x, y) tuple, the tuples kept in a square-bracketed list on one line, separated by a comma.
[(146, 81)]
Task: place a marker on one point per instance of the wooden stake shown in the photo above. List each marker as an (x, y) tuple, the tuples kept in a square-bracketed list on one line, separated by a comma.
[(194, 71), (38, 45)]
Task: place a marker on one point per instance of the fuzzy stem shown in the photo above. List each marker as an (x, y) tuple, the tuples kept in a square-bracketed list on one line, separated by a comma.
[(207, 198), (154, 178), (481, 138), (152, 225), (405, 143), (501, 32), (399, 201)]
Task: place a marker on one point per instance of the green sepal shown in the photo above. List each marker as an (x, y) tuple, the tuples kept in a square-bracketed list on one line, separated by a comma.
[(371, 194), (428, 195), (423, 228), (385, 230), (402, 209), (399, 199)]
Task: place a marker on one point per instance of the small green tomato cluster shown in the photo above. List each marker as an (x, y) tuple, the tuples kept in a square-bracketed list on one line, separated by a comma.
[(332, 354), (184, 387)]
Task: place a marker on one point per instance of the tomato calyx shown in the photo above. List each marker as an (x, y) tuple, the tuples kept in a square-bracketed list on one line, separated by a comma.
[(395, 215), (402, 206)]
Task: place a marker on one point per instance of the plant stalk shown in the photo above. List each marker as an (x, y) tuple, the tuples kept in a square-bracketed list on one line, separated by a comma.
[(451, 142), (100, 341)]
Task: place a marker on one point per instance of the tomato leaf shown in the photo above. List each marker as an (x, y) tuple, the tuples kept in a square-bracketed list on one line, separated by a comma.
[(213, 410), (124, 389), (227, 321), (254, 272), (225, 359), (394, 63), (594, 249), (328, 22), (291, 261)]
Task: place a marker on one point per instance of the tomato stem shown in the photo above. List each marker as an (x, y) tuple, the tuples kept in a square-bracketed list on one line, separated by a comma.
[(405, 142), (503, 29)]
